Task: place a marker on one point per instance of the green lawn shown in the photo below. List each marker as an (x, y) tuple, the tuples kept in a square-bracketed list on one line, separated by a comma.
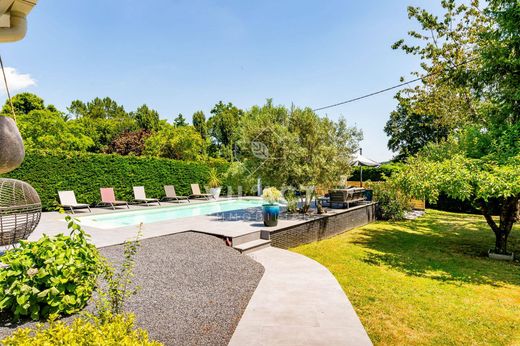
[(427, 281)]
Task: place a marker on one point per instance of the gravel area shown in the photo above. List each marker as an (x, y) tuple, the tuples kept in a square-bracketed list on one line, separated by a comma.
[(193, 288)]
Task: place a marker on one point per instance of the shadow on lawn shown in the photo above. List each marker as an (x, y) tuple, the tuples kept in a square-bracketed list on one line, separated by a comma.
[(442, 248)]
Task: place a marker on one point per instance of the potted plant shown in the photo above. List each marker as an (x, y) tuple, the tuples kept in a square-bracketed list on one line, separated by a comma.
[(214, 183), (271, 209)]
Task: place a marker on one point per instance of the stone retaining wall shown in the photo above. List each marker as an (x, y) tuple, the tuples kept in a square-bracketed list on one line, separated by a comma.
[(323, 227)]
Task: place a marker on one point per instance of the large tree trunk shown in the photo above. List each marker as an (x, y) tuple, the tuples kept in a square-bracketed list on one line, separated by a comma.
[(508, 216)]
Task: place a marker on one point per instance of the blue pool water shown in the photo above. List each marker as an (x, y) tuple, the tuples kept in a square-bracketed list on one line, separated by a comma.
[(135, 217)]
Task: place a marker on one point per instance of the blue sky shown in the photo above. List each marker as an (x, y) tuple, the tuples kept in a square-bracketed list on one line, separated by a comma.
[(184, 56)]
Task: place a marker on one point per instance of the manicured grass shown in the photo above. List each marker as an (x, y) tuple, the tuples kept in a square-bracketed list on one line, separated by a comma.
[(427, 281)]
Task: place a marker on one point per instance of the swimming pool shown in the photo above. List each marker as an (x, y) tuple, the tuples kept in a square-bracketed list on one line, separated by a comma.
[(135, 217)]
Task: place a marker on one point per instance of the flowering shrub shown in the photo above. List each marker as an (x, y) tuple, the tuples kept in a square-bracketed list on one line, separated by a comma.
[(272, 195)]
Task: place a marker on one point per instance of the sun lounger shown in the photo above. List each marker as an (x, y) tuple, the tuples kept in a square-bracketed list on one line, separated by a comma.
[(108, 198), (195, 190), (140, 196), (172, 195), (68, 200)]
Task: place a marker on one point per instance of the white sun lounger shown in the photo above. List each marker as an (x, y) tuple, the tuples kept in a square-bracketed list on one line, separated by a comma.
[(68, 200), (169, 190), (140, 196), (195, 190)]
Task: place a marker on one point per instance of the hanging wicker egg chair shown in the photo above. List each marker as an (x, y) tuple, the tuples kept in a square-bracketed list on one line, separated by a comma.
[(20, 211)]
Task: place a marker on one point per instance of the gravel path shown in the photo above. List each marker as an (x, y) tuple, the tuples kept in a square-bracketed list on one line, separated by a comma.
[(193, 288)]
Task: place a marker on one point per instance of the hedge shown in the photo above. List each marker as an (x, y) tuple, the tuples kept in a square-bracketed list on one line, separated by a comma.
[(85, 173), (374, 173)]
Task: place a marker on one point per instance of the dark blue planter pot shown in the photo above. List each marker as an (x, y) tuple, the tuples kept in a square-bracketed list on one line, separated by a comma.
[(271, 213)]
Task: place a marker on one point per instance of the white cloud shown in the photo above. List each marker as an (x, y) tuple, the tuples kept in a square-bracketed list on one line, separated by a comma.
[(16, 81)]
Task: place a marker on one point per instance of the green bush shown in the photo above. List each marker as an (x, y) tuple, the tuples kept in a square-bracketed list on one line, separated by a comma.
[(238, 175), (85, 173), (54, 275), (392, 204), (120, 330), (375, 173)]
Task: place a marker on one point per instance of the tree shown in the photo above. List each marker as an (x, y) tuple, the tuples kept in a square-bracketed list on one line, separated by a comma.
[(223, 128), (199, 122), (487, 185), (23, 103), (98, 108), (180, 143), (296, 147), (410, 132), (43, 129), (480, 161), (146, 118), (103, 120), (180, 121), (446, 47), (129, 143), (497, 80)]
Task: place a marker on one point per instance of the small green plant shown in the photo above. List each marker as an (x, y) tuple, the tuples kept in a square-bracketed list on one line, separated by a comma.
[(214, 179), (117, 286), (54, 275), (392, 204), (306, 198), (120, 330), (292, 202), (272, 195)]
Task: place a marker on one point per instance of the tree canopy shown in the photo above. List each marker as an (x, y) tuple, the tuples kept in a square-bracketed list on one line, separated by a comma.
[(175, 142), (295, 147), (199, 122), (24, 103), (223, 128), (475, 55), (410, 132), (146, 118)]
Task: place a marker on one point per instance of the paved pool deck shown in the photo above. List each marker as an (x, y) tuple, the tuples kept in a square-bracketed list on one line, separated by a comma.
[(226, 224)]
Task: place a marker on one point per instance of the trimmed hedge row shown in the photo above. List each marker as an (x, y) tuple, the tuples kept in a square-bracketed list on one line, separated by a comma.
[(85, 173), (374, 173)]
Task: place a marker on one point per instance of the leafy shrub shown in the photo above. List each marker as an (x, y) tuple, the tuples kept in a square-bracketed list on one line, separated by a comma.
[(85, 173), (392, 204), (292, 201), (375, 173), (54, 275), (120, 330), (237, 176)]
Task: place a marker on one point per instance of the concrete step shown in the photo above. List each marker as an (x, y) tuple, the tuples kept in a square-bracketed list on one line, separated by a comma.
[(253, 245), (244, 238)]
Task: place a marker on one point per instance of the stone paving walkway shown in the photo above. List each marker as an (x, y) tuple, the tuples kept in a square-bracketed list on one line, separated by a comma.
[(298, 302)]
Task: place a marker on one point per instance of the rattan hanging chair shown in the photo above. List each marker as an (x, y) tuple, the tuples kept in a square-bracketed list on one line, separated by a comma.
[(20, 211)]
